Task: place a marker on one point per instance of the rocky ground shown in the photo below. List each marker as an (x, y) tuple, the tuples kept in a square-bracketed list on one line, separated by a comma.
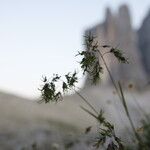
[(25, 123)]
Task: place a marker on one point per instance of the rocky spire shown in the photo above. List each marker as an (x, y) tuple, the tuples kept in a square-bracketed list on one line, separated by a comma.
[(127, 40), (144, 42), (108, 15), (124, 17), (117, 31), (110, 25)]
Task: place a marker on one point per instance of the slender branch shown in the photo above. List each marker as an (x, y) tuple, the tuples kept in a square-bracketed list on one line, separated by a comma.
[(90, 113), (121, 96), (86, 101), (110, 75), (106, 53), (128, 115)]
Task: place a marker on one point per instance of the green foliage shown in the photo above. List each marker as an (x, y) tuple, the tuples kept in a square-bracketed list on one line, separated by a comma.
[(146, 133), (71, 79), (90, 60), (48, 90), (119, 55), (92, 63), (106, 131)]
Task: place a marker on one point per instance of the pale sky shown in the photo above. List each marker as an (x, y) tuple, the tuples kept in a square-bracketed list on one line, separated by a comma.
[(41, 37)]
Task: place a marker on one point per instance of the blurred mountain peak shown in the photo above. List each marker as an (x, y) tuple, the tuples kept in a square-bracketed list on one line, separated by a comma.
[(117, 30)]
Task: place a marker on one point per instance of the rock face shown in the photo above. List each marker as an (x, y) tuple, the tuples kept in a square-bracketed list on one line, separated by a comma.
[(117, 31), (144, 43)]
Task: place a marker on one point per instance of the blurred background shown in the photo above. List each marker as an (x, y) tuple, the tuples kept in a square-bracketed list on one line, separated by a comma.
[(36, 37), (42, 37)]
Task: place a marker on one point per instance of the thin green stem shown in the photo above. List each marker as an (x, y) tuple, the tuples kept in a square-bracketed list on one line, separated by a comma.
[(106, 53), (128, 115), (110, 75), (84, 99), (90, 113), (121, 97)]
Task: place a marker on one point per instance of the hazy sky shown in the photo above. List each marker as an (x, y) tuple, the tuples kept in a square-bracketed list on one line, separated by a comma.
[(41, 37)]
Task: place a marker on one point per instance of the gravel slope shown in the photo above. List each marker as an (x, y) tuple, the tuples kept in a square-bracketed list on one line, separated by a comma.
[(23, 121)]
